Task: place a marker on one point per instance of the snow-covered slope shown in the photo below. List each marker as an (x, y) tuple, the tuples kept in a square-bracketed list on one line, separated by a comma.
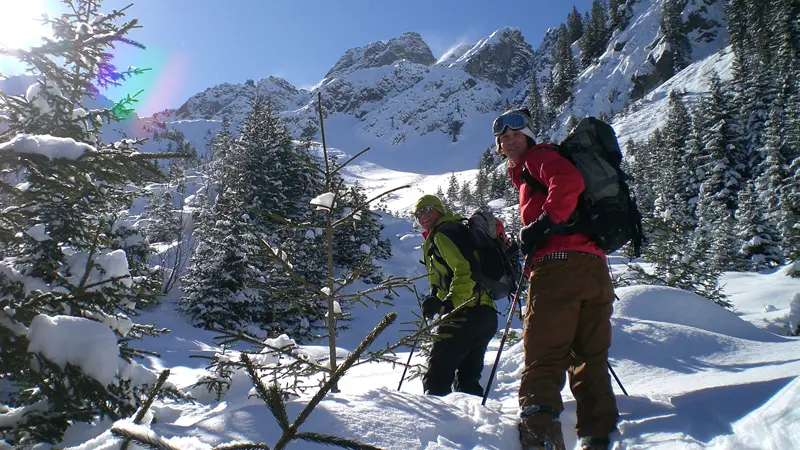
[(645, 115), (699, 377), (634, 60)]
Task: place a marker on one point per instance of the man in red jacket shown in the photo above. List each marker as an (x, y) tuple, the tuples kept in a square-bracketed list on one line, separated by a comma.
[(567, 321)]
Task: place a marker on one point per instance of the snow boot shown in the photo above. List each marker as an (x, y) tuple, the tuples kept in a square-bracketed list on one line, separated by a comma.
[(590, 443), (540, 429)]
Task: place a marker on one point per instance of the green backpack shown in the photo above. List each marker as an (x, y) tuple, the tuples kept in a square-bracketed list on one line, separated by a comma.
[(498, 269), (606, 209)]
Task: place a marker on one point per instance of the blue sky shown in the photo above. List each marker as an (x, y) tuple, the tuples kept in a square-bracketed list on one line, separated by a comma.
[(195, 44)]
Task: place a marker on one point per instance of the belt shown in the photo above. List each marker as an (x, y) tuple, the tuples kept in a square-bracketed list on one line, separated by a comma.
[(562, 256)]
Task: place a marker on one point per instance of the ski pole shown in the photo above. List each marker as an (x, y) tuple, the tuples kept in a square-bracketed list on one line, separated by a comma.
[(414, 347), (611, 369), (505, 333), (410, 354), (617, 378), (405, 369)]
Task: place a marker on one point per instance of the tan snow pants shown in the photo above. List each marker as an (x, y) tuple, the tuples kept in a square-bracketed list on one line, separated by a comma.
[(568, 331)]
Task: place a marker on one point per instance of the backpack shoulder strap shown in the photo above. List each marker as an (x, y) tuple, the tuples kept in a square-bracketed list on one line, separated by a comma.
[(531, 181), (459, 233)]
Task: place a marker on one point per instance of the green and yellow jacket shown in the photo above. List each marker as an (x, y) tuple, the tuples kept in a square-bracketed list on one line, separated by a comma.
[(449, 270)]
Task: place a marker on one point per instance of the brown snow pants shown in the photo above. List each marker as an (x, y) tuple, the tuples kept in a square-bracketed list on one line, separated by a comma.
[(568, 330)]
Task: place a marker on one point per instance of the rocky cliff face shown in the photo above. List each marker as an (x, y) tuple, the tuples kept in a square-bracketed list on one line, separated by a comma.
[(409, 47), (703, 25)]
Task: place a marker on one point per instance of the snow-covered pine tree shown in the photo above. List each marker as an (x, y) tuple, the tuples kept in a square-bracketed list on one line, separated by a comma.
[(641, 169), (616, 15), (535, 105), (219, 287), (482, 188), (759, 21), (440, 193), (574, 25), (588, 41), (722, 172), (675, 260), (790, 217), (453, 190), (499, 188), (675, 176), (672, 27), (361, 244), (566, 72), (467, 196), (753, 91), (772, 171), (74, 265), (736, 20), (600, 26), (760, 240), (786, 36), (789, 148), (164, 222)]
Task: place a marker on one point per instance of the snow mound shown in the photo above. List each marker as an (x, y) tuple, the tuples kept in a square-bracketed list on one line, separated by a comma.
[(50, 146), (65, 339), (457, 418), (775, 425), (670, 305)]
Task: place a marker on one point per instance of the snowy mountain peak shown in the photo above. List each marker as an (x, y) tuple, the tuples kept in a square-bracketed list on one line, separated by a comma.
[(504, 58), (229, 100), (396, 98), (409, 46), (454, 54)]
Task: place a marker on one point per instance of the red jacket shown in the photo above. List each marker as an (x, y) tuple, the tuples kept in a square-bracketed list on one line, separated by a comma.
[(564, 185)]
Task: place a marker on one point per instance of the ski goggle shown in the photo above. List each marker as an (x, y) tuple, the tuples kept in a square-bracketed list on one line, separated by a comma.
[(515, 121), (418, 213)]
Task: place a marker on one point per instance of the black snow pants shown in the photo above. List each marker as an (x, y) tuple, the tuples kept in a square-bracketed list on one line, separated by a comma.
[(459, 357)]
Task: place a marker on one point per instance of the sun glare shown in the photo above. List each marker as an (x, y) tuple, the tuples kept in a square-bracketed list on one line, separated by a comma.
[(19, 22)]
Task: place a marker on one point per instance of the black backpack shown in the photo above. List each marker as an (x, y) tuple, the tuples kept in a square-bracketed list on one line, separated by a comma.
[(498, 268), (606, 209)]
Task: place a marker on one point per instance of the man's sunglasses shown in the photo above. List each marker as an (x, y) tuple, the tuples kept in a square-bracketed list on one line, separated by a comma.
[(514, 121), (418, 213)]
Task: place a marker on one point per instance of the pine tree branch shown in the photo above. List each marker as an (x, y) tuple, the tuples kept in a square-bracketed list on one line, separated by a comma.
[(146, 405), (241, 336), (333, 380), (326, 439), (109, 280), (421, 333), (365, 204), (385, 285), (243, 446), (80, 289), (289, 270), (339, 167), (154, 442), (271, 396), (151, 396)]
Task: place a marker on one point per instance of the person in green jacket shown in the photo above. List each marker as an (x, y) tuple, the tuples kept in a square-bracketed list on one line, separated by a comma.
[(456, 359)]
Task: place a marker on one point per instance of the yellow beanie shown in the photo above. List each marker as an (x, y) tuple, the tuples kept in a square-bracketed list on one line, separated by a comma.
[(429, 200)]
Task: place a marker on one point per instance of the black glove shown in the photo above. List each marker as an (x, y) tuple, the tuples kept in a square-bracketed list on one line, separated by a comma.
[(431, 306), (447, 305), (536, 233)]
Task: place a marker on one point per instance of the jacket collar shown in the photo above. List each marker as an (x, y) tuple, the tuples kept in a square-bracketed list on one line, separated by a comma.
[(447, 217), (515, 170)]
